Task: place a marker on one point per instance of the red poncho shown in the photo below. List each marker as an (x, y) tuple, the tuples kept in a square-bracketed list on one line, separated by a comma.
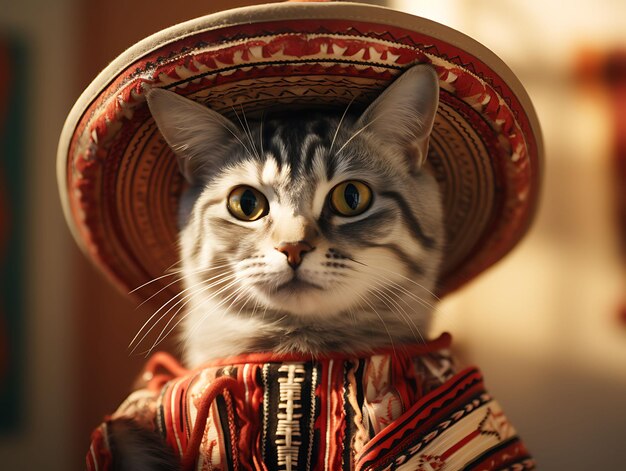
[(403, 409)]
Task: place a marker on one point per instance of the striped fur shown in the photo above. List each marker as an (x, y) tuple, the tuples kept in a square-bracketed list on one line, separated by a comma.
[(366, 283)]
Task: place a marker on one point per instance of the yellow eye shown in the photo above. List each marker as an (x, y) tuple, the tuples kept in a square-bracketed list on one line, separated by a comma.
[(350, 198), (247, 203)]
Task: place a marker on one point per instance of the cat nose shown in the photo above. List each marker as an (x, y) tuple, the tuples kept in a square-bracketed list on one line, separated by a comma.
[(294, 251)]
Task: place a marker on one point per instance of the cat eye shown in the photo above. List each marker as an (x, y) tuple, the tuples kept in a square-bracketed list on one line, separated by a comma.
[(247, 203), (350, 198)]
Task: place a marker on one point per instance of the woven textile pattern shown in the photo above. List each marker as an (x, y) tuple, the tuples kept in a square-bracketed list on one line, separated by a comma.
[(389, 411)]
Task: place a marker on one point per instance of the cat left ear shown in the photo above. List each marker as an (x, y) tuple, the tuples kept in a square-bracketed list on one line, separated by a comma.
[(402, 116), (198, 135)]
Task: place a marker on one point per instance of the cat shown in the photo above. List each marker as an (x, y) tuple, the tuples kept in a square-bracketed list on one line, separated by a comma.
[(294, 172), (305, 231)]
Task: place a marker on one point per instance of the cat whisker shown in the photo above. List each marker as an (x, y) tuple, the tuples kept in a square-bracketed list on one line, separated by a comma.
[(389, 286), (332, 144), (223, 277), (376, 273), (254, 307), (405, 315), (422, 287), (237, 137), (395, 308), (196, 272), (356, 261), (192, 330), (246, 133), (239, 292), (413, 296), (248, 293), (261, 122), (161, 337), (182, 306), (177, 295), (186, 299), (380, 267), (170, 272), (373, 309), (357, 133), (155, 280), (399, 287), (353, 315)]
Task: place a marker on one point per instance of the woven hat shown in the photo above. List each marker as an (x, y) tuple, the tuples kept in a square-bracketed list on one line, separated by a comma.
[(120, 184)]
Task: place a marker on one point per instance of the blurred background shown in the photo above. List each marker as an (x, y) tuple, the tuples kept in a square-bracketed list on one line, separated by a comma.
[(547, 325)]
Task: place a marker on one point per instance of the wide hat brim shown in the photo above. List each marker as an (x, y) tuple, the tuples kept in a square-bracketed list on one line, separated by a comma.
[(120, 184)]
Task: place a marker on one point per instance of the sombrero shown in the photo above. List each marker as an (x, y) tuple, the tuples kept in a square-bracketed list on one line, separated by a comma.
[(119, 181)]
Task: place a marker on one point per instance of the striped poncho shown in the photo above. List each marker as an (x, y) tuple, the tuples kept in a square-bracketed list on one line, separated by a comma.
[(404, 409)]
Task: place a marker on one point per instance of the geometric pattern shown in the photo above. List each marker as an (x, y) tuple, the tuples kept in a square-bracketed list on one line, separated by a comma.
[(289, 415), (293, 412)]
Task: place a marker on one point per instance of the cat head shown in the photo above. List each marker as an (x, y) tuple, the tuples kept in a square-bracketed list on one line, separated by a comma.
[(309, 220)]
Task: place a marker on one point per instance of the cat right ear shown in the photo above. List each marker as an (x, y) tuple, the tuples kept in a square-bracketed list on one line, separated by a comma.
[(198, 135), (402, 117)]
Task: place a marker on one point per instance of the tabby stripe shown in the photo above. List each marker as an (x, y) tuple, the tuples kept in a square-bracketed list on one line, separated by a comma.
[(206, 205), (292, 137), (367, 228), (309, 154), (225, 225), (321, 128), (409, 219), (402, 256), (277, 147), (331, 166)]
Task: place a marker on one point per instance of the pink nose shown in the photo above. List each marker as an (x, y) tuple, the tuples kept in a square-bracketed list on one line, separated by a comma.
[(294, 251)]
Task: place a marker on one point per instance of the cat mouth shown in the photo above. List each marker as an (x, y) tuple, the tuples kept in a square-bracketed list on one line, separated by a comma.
[(296, 285)]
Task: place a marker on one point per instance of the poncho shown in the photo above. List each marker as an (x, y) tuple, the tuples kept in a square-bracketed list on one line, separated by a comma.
[(403, 408)]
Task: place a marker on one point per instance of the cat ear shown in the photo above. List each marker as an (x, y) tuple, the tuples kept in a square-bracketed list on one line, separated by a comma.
[(198, 135), (402, 116)]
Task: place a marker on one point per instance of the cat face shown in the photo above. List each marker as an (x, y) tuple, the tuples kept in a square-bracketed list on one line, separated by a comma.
[(309, 218)]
